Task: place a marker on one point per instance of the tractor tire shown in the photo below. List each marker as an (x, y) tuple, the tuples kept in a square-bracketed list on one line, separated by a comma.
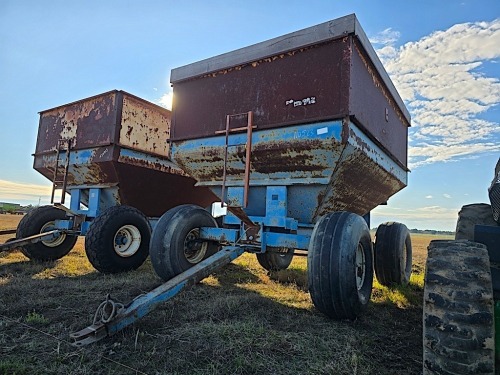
[(393, 254), (458, 321), (118, 240), (174, 246), (39, 220), (469, 216), (340, 265), (275, 261), (494, 194)]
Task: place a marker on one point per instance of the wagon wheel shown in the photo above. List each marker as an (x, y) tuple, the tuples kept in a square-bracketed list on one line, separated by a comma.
[(340, 265), (175, 243), (393, 254), (276, 261), (39, 220), (458, 326), (118, 240)]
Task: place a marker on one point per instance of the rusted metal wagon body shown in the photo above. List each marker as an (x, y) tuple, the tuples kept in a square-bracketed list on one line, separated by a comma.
[(119, 141), (300, 137), (110, 152)]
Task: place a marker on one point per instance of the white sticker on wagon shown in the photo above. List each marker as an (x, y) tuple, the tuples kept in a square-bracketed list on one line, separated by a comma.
[(322, 131)]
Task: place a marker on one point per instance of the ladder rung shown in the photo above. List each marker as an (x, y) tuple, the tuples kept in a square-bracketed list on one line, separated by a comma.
[(241, 129)]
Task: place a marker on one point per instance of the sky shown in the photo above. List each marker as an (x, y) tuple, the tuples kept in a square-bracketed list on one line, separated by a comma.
[(442, 55)]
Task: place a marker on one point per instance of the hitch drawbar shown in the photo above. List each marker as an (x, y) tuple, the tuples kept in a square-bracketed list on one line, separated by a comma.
[(111, 317), (16, 243)]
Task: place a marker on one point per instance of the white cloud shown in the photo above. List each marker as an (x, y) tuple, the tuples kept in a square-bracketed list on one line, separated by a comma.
[(428, 197), (442, 80), (430, 217), (447, 196), (166, 100), (16, 192), (386, 37)]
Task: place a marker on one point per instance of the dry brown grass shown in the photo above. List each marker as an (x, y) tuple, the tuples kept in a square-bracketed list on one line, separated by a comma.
[(8, 221), (240, 320)]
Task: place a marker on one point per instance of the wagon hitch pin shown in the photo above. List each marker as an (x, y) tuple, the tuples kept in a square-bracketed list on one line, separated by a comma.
[(106, 312)]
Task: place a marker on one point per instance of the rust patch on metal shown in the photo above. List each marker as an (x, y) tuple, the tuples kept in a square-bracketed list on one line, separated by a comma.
[(89, 122), (145, 126), (157, 166), (358, 185), (300, 157), (278, 156)]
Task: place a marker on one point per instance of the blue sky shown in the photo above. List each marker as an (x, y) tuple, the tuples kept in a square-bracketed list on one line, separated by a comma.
[(443, 56)]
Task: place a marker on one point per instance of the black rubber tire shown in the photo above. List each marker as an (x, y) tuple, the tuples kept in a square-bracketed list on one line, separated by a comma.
[(332, 269), (393, 254), (469, 216), (275, 261), (100, 240), (32, 223), (167, 248), (458, 321), (494, 193)]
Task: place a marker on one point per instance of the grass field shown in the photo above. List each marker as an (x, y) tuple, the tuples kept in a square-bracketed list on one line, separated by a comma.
[(240, 320)]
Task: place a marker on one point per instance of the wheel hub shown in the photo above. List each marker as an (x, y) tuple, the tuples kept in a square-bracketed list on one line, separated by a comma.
[(127, 241), (360, 266), (51, 225), (194, 249)]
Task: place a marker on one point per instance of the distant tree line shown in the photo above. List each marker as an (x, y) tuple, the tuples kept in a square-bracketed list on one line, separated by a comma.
[(432, 231), (427, 231)]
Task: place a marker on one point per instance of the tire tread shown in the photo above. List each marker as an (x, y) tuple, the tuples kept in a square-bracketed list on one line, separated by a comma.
[(98, 241), (466, 325)]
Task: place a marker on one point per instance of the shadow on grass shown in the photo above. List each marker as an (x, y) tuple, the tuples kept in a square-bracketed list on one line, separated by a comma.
[(293, 276), (27, 267)]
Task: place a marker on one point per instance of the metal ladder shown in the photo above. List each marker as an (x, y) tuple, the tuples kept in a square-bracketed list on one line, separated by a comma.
[(248, 151), (60, 179)]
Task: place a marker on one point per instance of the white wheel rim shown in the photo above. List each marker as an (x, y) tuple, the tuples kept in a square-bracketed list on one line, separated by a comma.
[(51, 225), (127, 241), (360, 266), (194, 250)]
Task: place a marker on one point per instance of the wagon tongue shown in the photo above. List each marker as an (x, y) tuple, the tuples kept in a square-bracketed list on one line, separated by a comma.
[(111, 316), (16, 243)]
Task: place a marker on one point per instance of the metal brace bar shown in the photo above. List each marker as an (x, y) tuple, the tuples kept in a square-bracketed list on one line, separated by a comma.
[(46, 236), (144, 304), (7, 231)]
